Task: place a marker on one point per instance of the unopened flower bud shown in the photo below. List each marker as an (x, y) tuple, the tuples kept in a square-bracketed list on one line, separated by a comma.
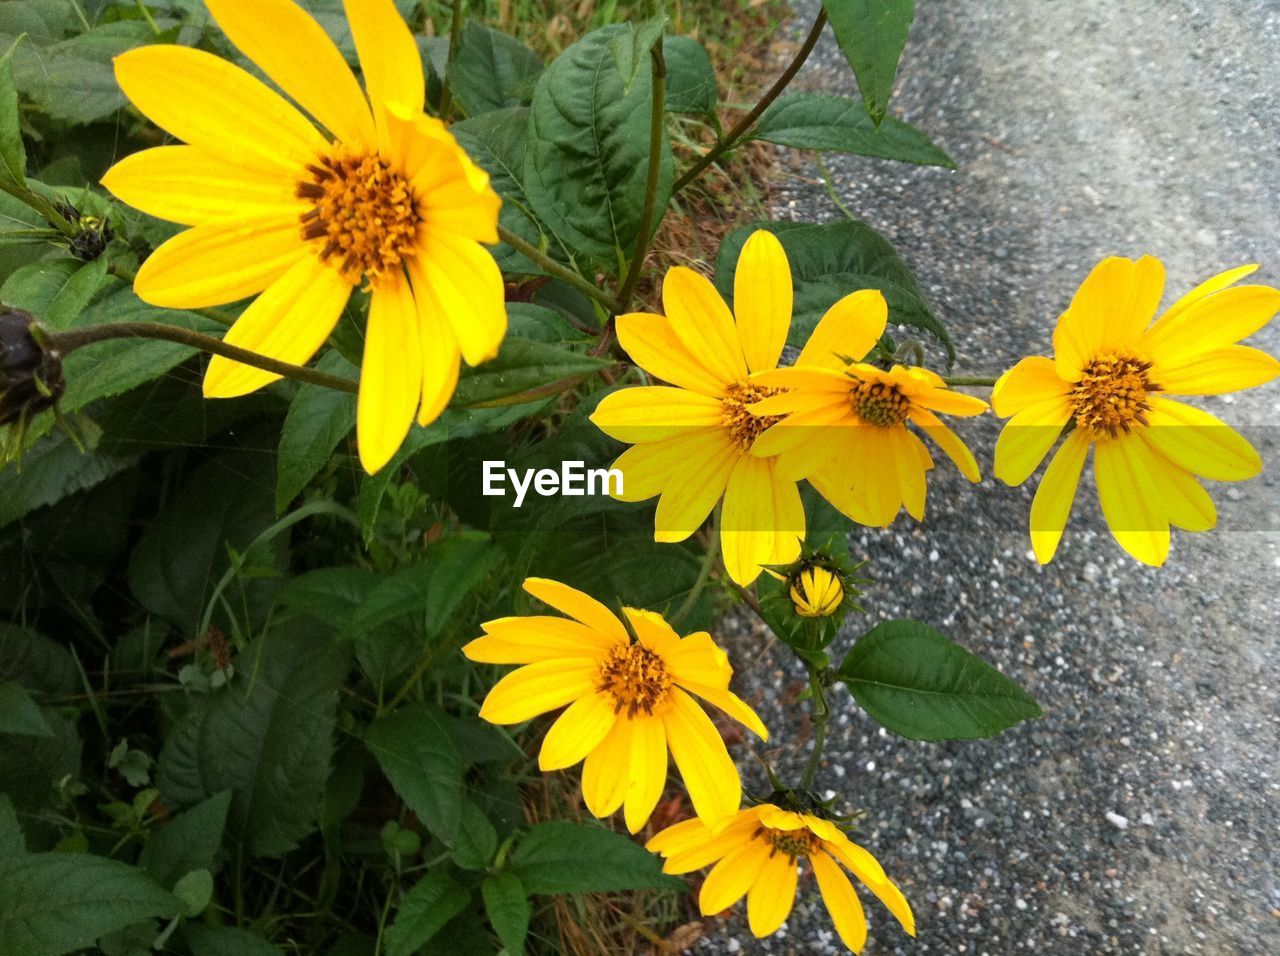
[(816, 592), (93, 233), (30, 375)]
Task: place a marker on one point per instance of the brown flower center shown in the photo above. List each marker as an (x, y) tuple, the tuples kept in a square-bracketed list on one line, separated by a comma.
[(364, 213), (880, 404), (1112, 395), (743, 426), (794, 843), (637, 678)]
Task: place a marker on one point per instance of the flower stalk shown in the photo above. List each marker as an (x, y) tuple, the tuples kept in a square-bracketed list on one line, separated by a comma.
[(455, 37), (821, 714), (657, 117), (553, 268)]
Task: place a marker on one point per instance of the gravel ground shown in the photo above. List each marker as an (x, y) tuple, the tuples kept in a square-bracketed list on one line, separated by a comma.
[(1140, 814)]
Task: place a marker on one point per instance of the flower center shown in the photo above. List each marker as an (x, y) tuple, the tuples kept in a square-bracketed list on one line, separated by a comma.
[(1112, 394), (364, 212), (637, 678), (743, 426), (794, 843), (879, 404)]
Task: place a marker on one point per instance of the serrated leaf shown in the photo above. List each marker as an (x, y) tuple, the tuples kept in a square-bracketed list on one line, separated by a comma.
[(19, 714), (56, 903), (416, 750), (317, 421), (36, 662), (691, 79), (872, 35), (491, 70), (521, 369), (54, 469), (13, 154), (838, 124), (630, 48), (920, 685), (226, 941), (267, 737), (433, 901), (587, 161), (507, 906), (477, 840), (564, 857), (190, 841)]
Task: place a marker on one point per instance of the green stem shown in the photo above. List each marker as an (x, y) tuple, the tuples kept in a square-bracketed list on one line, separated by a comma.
[(743, 125), (820, 715), (704, 574), (955, 380), (67, 342), (42, 206), (146, 15), (657, 117), (455, 37), (553, 268)]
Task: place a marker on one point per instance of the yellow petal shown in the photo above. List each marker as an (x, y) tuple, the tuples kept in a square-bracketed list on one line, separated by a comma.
[(464, 285), (463, 202), (807, 387), (1216, 284), (1228, 369), (692, 492), (298, 56), (1130, 499), (1057, 490), (879, 473), (947, 402), (1109, 311), (607, 770), (856, 859), (221, 263), (650, 413), (763, 521), (1027, 438), (537, 688), (762, 299), (648, 774), (653, 344), (949, 442), (771, 895), (730, 879), (289, 322), (1209, 324), (730, 703), (843, 496), (1186, 504), (389, 59), (703, 323), (806, 441), (708, 772), (849, 329), (577, 731), (390, 373), (207, 102), (842, 903), (579, 606), (523, 640), (440, 356), (652, 630), (1200, 443), (648, 469), (680, 837), (1032, 381), (186, 185), (691, 845)]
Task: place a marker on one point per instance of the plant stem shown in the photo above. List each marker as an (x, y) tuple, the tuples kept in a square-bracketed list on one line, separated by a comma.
[(657, 117), (455, 37), (743, 125), (67, 342), (42, 206), (968, 380), (820, 715), (704, 574), (553, 268)]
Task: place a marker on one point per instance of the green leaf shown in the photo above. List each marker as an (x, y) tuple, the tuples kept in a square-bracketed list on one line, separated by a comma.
[(564, 857), (13, 154), (838, 124), (36, 662), (691, 79), (188, 842), (920, 685), (267, 737), (226, 941), (477, 839), (417, 752), (491, 70), (830, 261), (507, 906), (19, 714), (194, 890), (317, 421), (31, 767), (55, 903), (630, 48), (523, 371), (872, 34), (54, 469), (588, 155), (433, 901), (12, 840)]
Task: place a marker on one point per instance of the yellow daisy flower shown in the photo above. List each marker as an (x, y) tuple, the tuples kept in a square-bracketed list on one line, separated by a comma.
[(299, 216), (1111, 372), (816, 592), (692, 438), (842, 423), (628, 702), (757, 856)]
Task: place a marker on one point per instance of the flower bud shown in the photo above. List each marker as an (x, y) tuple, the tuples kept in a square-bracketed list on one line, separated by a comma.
[(30, 375), (93, 234), (816, 592)]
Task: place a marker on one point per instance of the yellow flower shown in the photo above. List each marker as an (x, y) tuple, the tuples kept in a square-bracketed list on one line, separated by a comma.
[(816, 592), (1111, 370), (756, 855), (383, 196), (627, 702), (692, 439), (842, 423)]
